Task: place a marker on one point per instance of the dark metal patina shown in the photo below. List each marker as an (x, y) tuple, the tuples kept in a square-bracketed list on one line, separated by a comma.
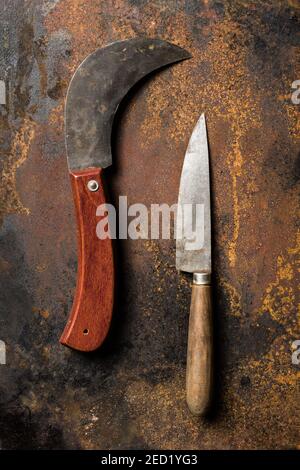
[(131, 394), (97, 88)]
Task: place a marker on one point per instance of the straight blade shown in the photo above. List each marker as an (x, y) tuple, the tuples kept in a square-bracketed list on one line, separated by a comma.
[(193, 244)]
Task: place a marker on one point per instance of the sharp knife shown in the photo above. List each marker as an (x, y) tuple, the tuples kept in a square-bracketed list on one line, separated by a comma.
[(95, 92), (193, 255)]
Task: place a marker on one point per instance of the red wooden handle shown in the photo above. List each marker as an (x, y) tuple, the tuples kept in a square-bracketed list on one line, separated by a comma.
[(91, 313)]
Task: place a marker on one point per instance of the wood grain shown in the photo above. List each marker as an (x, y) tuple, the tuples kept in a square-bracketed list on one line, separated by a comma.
[(199, 375), (91, 313)]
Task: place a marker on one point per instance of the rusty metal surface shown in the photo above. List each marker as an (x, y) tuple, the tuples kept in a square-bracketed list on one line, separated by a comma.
[(130, 394)]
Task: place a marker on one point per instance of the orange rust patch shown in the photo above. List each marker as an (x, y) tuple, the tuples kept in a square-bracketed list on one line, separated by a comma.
[(4, 265), (293, 115), (280, 296), (78, 18), (21, 142), (44, 313), (233, 296), (40, 268)]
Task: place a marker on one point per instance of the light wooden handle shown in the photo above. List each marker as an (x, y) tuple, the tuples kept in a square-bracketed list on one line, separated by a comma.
[(199, 374)]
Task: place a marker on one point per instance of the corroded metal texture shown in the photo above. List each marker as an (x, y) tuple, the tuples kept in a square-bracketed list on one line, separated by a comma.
[(193, 254), (131, 394), (97, 88)]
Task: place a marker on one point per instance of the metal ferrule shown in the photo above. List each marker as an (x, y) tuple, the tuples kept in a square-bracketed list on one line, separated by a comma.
[(202, 279)]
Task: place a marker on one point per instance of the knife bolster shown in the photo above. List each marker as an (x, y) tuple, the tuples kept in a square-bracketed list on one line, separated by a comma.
[(201, 279)]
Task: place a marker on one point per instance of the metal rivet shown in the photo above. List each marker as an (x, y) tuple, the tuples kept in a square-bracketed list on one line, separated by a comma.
[(93, 185)]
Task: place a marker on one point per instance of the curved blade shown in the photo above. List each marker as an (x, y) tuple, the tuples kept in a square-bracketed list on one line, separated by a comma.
[(97, 88), (193, 244)]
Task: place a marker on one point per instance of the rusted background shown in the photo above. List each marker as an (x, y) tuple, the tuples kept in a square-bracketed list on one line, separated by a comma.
[(130, 394)]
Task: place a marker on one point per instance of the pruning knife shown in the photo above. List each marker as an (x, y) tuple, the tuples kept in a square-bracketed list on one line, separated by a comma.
[(95, 92)]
